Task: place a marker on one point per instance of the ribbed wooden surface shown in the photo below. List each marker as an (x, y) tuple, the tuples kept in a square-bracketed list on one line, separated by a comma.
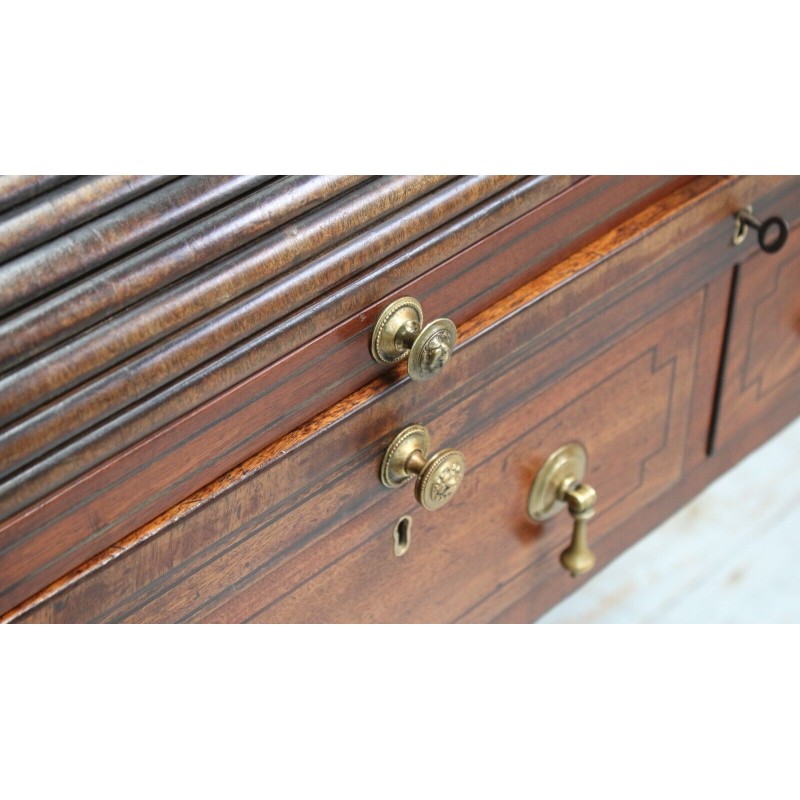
[(298, 364), (295, 500), (102, 330), (58, 262), (15, 189), (68, 206), (189, 328)]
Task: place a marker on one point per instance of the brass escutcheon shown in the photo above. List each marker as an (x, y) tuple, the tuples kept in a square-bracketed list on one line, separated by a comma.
[(399, 334), (402, 536), (558, 485), (740, 227), (438, 477)]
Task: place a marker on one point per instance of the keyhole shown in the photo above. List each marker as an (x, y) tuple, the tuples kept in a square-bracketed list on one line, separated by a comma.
[(402, 536)]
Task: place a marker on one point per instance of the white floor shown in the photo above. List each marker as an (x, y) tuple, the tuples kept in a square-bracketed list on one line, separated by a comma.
[(732, 555)]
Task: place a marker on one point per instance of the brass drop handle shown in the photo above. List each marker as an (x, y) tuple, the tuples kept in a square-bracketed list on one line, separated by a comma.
[(581, 499), (399, 334), (558, 484), (438, 476), (769, 244)]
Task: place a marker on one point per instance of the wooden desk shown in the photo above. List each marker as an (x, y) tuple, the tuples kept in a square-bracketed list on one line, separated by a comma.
[(193, 424)]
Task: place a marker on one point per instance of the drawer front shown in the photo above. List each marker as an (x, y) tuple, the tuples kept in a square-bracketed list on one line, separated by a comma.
[(628, 407), (602, 348), (761, 379)]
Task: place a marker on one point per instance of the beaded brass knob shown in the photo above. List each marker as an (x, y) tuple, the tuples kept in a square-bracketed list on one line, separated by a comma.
[(399, 334), (438, 476), (558, 485)]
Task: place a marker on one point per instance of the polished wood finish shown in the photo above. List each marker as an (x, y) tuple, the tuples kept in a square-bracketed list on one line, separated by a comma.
[(149, 271), (629, 407), (213, 418), (525, 598), (633, 315), (762, 367), (15, 189), (44, 217), (627, 345), (127, 333), (181, 306), (84, 249)]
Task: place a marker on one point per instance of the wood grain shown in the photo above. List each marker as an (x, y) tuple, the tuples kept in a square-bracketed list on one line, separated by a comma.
[(168, 405), (15, 189), (289, 558), (66, 206), (758, 419), (225, 286), (629, 408), (106, 238), (317, 479), (762, 371), (526, 599), (80, 305), (96, 510)]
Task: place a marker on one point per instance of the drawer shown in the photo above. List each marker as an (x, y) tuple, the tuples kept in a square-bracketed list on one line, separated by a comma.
[(603, 349), (160, 365), (761, 374), (628, 407)]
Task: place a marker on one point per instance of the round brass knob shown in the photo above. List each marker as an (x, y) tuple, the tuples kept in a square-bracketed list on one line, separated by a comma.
[(438, 476), (558, 484), (399, 334)]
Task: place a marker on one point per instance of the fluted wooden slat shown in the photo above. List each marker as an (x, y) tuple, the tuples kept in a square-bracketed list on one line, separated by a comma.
[(15, 189), (70, 205), (111, 236), (152, 412), (103, 346), (69, 312), (212, 334)]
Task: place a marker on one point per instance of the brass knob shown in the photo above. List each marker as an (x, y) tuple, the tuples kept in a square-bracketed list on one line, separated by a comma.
[(438, 476), (399, 334), (558, 485)]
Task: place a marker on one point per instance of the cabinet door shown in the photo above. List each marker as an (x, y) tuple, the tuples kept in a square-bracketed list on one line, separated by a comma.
[(761, 377)]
